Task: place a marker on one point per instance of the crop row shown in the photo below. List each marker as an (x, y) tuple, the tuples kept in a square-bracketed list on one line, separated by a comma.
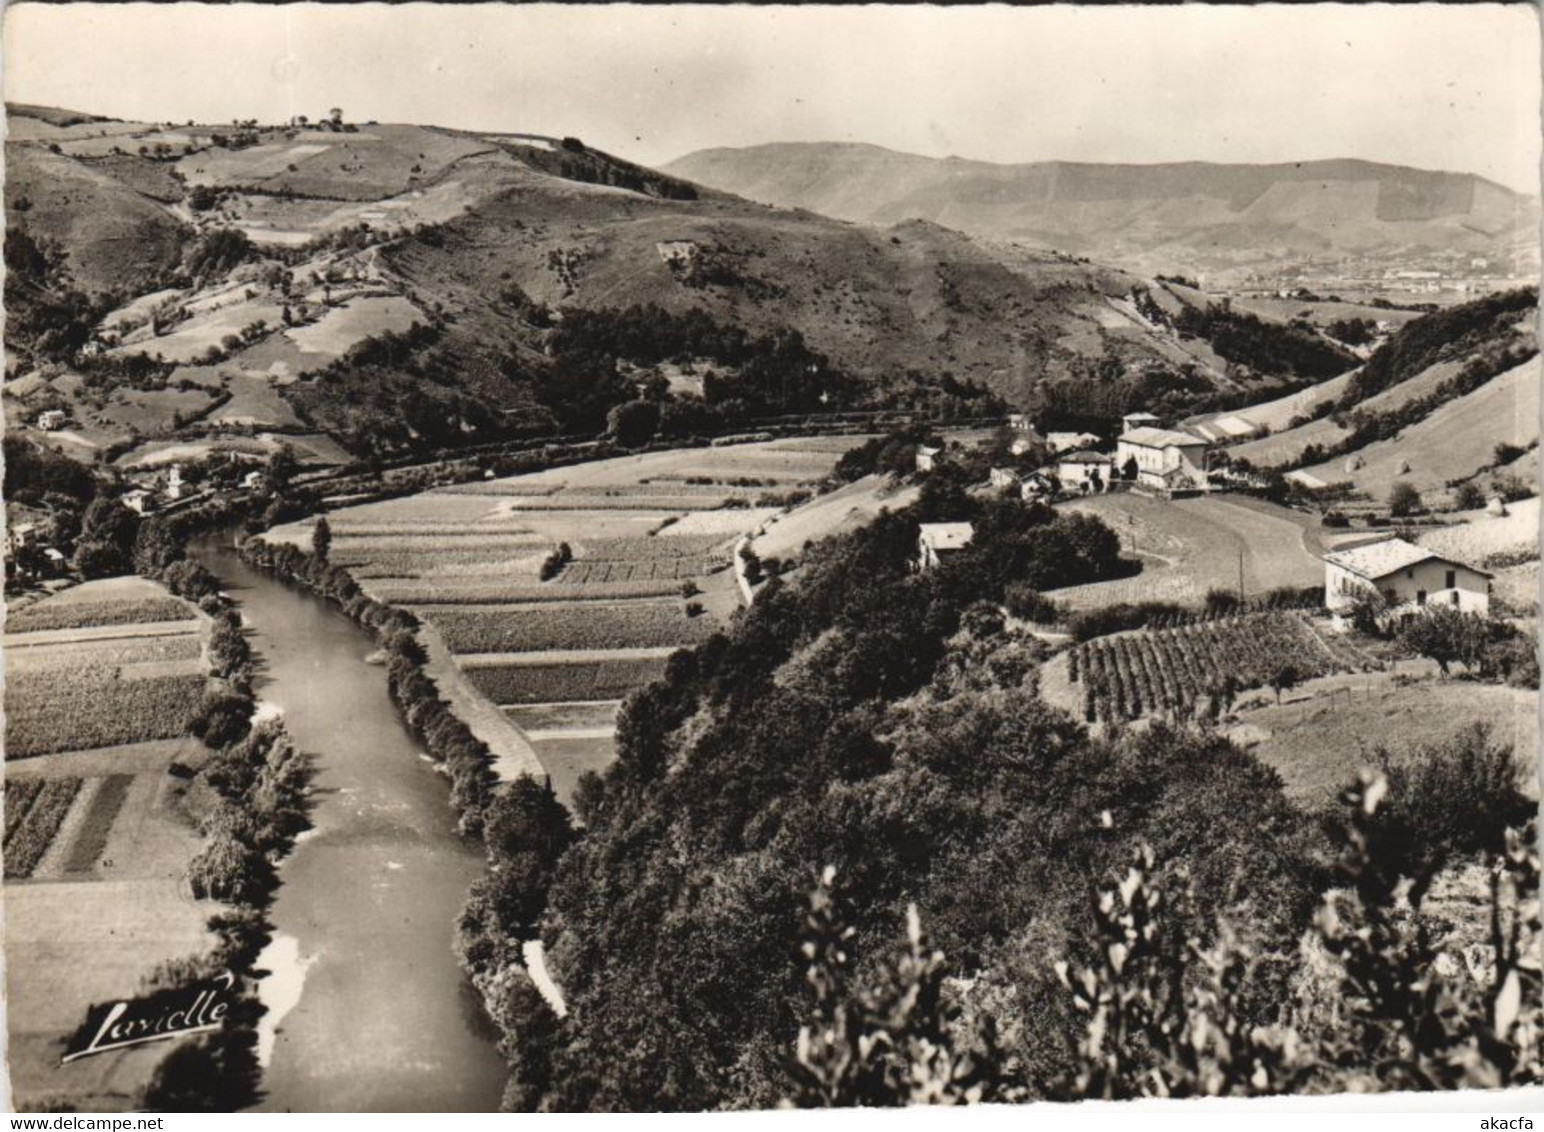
[(650, 546), (98, 823), (405, 563), (1133, 674), (77, 709), (73, 654), (557, 683), (501, 591), (347, 550), (410, 532), (497, 487), (35, 832), (545, 628), (648, 488), (567, 502), (657, 571), (88, 614)]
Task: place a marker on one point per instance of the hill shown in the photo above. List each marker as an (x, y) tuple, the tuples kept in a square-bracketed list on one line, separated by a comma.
[(403, 288), (1452, 443), (1437, 397), (1188, 215)]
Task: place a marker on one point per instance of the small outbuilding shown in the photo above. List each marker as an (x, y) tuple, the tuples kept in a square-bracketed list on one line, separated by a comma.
[(938, 541)]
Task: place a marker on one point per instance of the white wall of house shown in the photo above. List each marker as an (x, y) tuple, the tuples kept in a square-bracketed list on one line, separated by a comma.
[(1074, 473), (1157, 462), (1425, 584)]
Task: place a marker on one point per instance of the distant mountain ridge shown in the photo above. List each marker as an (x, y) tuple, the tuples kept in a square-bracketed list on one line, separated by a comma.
[(1197, 215)]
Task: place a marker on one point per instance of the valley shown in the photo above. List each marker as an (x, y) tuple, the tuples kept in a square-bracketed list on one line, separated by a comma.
[(805, 625)]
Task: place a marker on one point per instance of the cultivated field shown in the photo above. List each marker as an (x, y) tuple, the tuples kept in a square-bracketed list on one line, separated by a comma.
[(1190, 546), (649, 542), (101, 681), (1129, 675)]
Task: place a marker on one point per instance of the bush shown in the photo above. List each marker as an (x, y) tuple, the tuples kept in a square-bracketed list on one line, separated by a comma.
[(1222, 601), (1404, 500), (1029, 604), (1451, 799), (1469, 496), (1125, 615)]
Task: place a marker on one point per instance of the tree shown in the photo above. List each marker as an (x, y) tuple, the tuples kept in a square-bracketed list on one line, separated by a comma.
[(632, 424), (890, 1042), (107, 535), (1404, 499), (526, 830), (1284, 679), (1469, 496), (321, 538), (1444, 634), (282, 464)]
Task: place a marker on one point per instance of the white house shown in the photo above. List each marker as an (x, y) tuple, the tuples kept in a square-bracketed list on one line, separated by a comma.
[(252, 480), (1003, 478), (1164, 458), (139, 500), (1409, 577), (1070, 441), (937, 541), (927, 457), (1138, 420), (50, 419), (1084, 471), (1020, 422)]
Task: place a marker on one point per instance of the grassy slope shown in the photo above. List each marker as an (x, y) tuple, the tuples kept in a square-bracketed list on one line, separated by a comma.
[(1318, 742), (1289, 443), (1193, 545), (1452, 442)]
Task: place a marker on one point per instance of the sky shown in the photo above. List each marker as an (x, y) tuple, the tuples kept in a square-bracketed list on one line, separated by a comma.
[(1431, 86)]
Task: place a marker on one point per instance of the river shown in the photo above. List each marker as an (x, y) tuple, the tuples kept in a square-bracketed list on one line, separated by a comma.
[(368, 1010)]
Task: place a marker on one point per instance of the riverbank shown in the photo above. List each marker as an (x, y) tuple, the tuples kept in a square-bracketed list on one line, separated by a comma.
[(370, 1011)]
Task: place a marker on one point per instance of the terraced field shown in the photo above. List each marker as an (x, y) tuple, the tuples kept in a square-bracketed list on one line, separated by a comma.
[(636, 553)]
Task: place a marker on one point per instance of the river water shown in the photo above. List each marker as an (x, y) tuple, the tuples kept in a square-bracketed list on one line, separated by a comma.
[(368, 1010)]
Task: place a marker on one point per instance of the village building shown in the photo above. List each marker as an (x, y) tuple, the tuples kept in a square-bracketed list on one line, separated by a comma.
[(174, 484), (1004, 478), (1409, 578), (1070, 441), (937, 541), (1020, 422), (1163, 458), (254, 479), (927, 457), (1138, 420), (139, 501), (1036, 487), (51, 419), (1084, 471)]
